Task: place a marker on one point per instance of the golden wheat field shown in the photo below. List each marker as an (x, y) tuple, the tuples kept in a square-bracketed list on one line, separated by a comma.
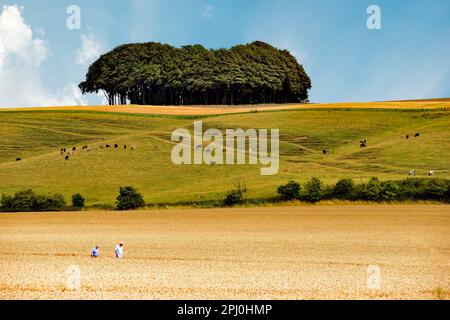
[(306, 252), (217, 110)]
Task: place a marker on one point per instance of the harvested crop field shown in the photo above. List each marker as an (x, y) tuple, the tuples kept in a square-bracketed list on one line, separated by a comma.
[(305, 252), (199, 110)]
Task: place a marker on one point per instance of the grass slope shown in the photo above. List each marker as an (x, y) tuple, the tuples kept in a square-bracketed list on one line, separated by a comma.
[(37, 136)]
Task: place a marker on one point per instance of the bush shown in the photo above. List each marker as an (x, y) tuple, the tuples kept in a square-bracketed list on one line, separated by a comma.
[(433, 189), (129, 199), (25, 201), (447, 194), (289, 191), (372, 190), (236, 196), (344, 189), (409, 189), (390, 191), (77, 201), (6, 203), (314, 190)]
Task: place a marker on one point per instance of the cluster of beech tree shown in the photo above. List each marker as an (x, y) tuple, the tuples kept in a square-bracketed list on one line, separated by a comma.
[(160, 74)]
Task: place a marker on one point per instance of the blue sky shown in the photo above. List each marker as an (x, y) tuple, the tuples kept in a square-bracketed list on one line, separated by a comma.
[(408, 58)]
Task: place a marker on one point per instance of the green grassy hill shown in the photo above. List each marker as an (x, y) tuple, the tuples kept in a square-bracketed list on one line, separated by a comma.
[(38, 136)]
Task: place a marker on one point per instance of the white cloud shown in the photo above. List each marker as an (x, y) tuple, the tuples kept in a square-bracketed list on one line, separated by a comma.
[(89, 51), (207, 11), (16, 38), (21, 57)]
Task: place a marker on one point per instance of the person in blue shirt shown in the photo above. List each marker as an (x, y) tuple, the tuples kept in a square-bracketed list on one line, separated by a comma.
[(95, 252), (119, 250)]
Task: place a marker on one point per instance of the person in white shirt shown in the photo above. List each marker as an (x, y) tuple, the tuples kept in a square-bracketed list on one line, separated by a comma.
[(119, 250)]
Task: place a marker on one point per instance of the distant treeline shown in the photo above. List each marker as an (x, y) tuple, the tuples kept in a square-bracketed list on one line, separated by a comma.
[(160, 74), (411, 189)]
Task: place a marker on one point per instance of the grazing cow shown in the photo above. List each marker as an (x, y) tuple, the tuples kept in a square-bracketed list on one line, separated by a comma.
[(116, 146), (63, 150), (133, 147), (156, 148), (417, 135), (18, 159), (74, 149), (66, 158), (325, 152), (431, 173), (108, 146), (90, 149), (85, 147), (363, 143), (412, 173), (124, 146), (407, 136)]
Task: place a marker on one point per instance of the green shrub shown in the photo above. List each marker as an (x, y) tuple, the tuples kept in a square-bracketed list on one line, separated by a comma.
[(236, 196), (372, 190), (27, 200), (78, 201), (23, 201), (53, 202), (433, 189), (232, 198), (447, 194), (390, 191), (289, 191), (344, 189), (314, 190), (6, 203), (410, 189), (129, 199)]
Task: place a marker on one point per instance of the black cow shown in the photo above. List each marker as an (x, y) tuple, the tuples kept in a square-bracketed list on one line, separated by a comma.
[(85, 147), (417, 135), (74, 149), (116, 146), (325, 151), (108, 146), (18, 159), (124, 146), (66, 158), (407, 136), (363, 143)]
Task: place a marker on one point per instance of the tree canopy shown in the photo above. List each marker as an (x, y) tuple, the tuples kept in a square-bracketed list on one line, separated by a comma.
[(160, 74)]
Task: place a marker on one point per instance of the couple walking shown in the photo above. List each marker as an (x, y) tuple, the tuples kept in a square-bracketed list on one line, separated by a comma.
[(118, 251)]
